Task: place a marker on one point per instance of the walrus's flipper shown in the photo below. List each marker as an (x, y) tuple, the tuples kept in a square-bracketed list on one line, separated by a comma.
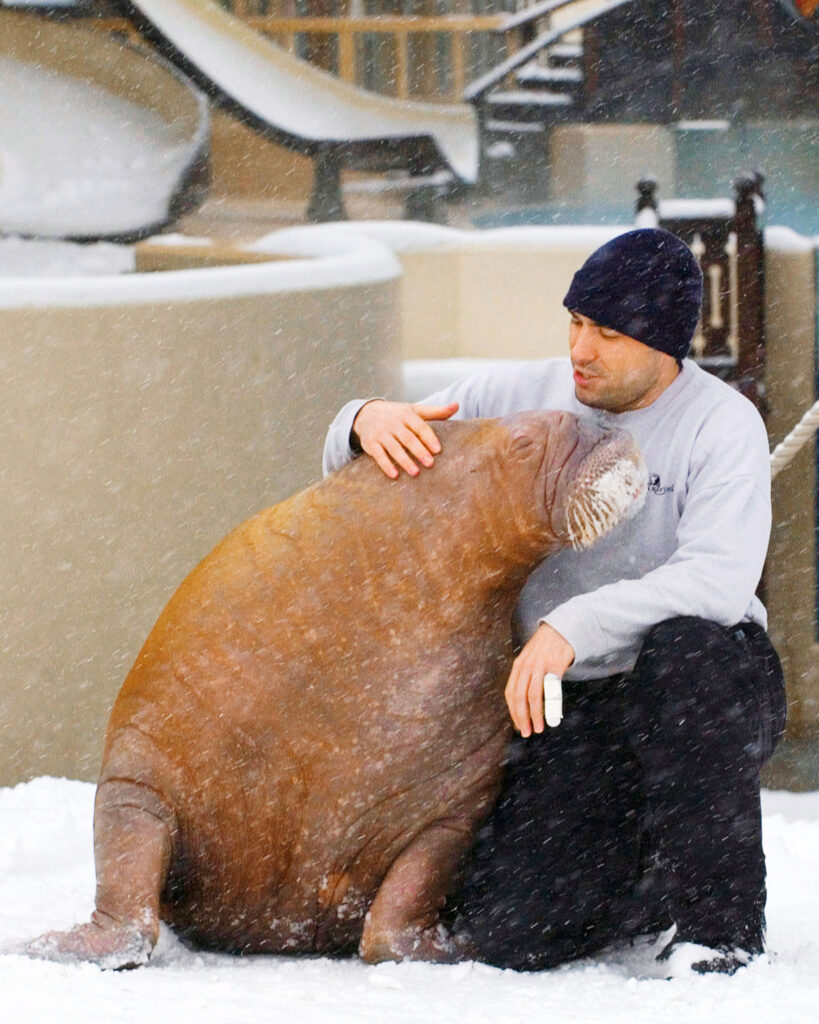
[(133, 831), (403, 920)]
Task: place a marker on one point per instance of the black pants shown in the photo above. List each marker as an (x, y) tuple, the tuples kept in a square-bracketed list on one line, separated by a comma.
[(640, 810)]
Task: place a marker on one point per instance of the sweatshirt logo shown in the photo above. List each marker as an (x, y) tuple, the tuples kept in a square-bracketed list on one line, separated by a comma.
[(656, 487)]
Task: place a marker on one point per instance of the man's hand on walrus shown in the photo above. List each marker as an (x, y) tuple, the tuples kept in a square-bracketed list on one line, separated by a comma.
[(396, 434), (546, 651)]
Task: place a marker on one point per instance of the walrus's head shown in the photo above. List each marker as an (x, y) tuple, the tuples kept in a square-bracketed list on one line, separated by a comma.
[(589, 479)]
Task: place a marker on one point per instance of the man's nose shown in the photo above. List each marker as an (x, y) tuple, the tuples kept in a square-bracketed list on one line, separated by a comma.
[(584, 344)]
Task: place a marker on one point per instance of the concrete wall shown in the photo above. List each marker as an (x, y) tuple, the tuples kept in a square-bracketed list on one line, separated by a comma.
[(591, 163), (492, 294), (138, 427), (244, 165), (790, 324)]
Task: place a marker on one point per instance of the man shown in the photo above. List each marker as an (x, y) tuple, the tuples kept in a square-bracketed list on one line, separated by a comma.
[(641, 810)]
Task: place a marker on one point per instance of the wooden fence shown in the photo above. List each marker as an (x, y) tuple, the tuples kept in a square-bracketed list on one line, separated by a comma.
[(445, 36), (419, 56)]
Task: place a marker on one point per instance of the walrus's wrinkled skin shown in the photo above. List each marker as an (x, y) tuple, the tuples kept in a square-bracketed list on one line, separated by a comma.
[(315, 726)]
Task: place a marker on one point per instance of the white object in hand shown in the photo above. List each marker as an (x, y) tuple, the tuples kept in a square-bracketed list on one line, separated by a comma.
[(552, 699)]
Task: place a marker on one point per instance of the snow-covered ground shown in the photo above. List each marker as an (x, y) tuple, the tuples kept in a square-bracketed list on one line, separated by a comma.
[(47, 881), (75, 160)]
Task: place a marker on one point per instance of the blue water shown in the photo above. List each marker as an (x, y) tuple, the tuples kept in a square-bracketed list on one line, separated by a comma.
[(707, 163)]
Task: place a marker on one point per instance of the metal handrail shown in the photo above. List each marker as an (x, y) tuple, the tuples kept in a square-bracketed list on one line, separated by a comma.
[(476, 89)]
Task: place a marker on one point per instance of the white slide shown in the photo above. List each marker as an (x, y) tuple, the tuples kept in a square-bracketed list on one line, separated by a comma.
[(293, 101)]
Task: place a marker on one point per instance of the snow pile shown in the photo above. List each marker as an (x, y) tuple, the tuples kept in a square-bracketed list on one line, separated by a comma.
[(47, 881), (77, 161)]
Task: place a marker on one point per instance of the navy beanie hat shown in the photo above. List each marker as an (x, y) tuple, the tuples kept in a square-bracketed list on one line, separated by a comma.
[(645, 284)]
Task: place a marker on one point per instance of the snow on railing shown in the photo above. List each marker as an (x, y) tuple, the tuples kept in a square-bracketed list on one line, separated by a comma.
[(482, 85)]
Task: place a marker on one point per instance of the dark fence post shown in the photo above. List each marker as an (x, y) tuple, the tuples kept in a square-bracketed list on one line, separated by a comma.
[(647, 195), (729, 341), (751, 281)]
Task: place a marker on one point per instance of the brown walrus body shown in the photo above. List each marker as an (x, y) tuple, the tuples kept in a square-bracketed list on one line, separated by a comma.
[(315, 726)]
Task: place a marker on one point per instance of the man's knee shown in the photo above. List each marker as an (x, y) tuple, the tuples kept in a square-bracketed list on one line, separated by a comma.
[(697, 683), (684, 635), (692, 657)]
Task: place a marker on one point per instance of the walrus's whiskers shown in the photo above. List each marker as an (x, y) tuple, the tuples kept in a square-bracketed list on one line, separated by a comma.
[(600, 503)]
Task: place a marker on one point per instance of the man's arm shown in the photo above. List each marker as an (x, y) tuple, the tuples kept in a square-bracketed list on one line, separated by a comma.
[(403, 426), (397, 435), (704, 578), (713, 573), (337, 449)]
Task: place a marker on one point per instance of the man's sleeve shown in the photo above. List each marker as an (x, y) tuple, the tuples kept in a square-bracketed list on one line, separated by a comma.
[(722, 540), (337, 449), (484, 393)]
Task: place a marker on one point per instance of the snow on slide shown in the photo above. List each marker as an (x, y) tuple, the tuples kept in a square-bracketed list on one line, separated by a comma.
[(96, 141), (299, 103)]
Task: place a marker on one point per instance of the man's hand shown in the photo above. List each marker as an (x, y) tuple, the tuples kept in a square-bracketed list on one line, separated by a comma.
[(396, 433), (546, 651)]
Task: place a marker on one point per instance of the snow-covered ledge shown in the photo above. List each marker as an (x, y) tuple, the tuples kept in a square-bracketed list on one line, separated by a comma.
[(318, 259)]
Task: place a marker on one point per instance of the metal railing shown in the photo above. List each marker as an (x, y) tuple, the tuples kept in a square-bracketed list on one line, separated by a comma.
[(534, 12)]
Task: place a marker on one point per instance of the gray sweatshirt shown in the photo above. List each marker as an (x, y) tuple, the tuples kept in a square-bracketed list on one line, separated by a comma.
[(698, 545)]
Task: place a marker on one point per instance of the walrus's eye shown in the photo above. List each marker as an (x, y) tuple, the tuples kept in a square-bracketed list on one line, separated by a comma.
[(521, 446)]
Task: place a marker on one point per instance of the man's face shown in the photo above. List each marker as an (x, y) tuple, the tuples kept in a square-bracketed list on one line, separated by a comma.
[(613, 371)]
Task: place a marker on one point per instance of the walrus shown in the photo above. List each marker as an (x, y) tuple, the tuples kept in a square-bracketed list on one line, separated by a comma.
[(315, 727)]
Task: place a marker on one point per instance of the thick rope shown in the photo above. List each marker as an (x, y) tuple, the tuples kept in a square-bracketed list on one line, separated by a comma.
[(801, 433)]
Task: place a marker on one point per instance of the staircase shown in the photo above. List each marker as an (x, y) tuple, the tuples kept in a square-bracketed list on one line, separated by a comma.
[(541, 84)]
